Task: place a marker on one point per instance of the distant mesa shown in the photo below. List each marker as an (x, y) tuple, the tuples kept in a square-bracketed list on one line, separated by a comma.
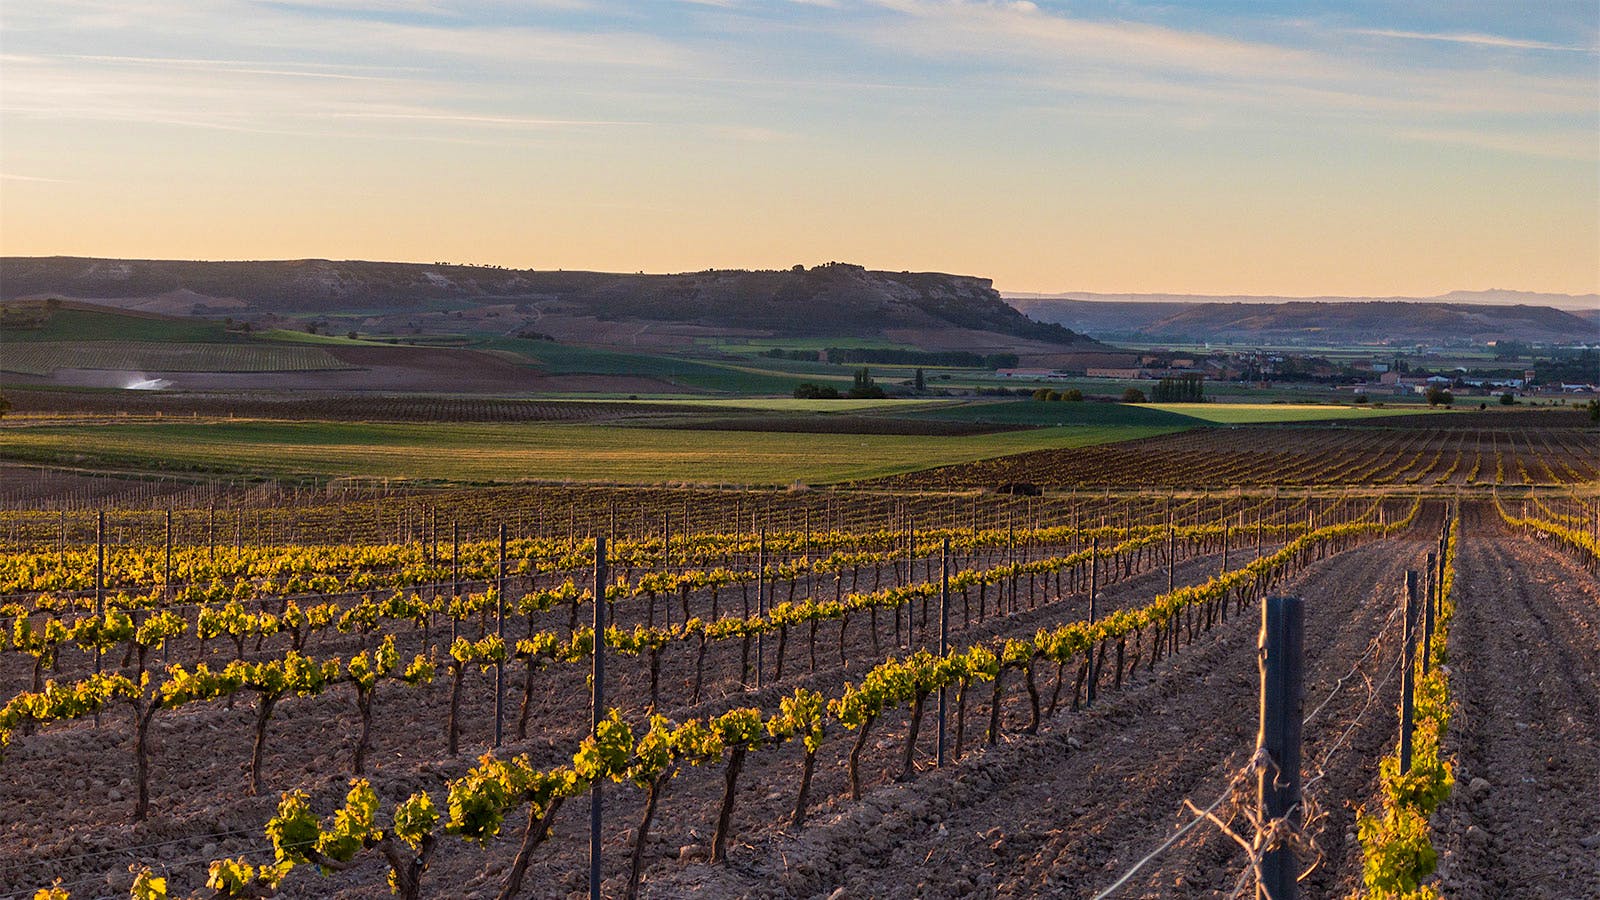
[(1463, 317), (928, 309)]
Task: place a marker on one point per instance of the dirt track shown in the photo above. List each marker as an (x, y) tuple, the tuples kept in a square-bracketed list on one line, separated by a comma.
[(1524, 820)]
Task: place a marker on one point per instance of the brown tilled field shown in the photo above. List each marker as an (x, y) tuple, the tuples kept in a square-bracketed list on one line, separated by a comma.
[(1407, 454)]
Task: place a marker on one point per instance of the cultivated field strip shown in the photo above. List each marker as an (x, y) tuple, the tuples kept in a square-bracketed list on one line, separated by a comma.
[(353, 516), (1046, 795), (547, 742), (1291, 456), (153, 357)]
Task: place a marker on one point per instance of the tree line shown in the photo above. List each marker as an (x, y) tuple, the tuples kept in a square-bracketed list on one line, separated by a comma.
[(898, 357)]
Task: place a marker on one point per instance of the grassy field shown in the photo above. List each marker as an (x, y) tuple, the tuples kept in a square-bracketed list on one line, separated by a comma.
[(1225, 391), (69, 324), (1182, 415), (565, 359), (542, 452), (285, 336), (793, 405), (1261, 413)]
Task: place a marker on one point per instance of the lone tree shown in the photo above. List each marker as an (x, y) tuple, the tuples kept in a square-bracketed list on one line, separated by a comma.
[(1439, 396), (1133, 395), (1508, 399), (920, 383)]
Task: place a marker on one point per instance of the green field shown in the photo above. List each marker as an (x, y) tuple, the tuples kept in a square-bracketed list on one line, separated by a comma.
[(892, 408), (1263, 413), (69, 324), (1180, 415), (285, 336), (566, 359), (541, 452)]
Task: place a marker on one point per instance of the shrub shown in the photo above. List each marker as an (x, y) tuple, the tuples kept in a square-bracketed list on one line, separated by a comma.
[(809, 391)]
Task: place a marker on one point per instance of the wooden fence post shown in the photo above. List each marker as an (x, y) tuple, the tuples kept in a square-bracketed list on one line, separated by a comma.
[(944, 640), (500, 629), (1172, 553), (1407, 677), (1278, 789), (761, 603), (1427, 615), (455, 575), (598, 696), (99, 577), (1094, 586)]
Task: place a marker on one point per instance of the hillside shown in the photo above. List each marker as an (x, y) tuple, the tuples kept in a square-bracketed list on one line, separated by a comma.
[(1312, 322), (834, 300)]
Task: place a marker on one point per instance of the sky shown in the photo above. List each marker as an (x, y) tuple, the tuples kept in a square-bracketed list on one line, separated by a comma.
[(1369, 148)]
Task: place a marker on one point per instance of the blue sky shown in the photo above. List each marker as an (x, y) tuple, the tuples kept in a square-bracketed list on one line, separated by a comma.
[(1368, 148)]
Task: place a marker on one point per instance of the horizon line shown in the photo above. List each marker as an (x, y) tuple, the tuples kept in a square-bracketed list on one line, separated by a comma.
[(1132, 295)]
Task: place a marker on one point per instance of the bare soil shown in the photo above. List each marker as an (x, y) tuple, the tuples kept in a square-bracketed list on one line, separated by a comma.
[(1524, 819)]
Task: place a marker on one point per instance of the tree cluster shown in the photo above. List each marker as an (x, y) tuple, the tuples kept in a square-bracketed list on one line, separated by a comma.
[(898, 357), (1185, 389)]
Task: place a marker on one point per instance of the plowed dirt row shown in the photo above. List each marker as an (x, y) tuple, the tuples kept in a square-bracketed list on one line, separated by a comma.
[(1524, 820), (1066, 813)]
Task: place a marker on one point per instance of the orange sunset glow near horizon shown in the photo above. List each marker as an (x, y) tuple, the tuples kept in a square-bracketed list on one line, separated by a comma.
[(1379, 149)]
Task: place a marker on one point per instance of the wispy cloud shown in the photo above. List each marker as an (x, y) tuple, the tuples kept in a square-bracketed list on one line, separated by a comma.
[(1005, 31), (13, 176), (515, 121), (1471, 39), (938, 104), (1571, 145), (309, 69)]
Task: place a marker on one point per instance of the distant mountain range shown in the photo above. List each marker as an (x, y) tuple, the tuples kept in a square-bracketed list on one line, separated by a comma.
[(834, 300), (1459, 317)]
